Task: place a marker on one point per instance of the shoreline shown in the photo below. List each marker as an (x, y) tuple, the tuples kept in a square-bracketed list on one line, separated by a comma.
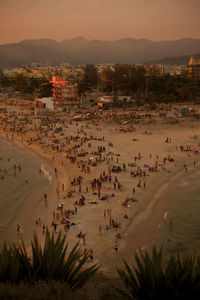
[(15, 142), (145, 214), (143, 225)]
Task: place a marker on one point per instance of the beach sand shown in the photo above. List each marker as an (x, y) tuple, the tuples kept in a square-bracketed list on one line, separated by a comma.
[(144, 144)]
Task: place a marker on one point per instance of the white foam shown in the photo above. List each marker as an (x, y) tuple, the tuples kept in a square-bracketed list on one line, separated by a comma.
[(46, 173), (158, 227), (165, 214)]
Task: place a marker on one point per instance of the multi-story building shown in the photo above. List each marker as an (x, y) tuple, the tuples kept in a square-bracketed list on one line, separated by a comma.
[(193, 69), (155, 70), (181, 70), (64, 91)]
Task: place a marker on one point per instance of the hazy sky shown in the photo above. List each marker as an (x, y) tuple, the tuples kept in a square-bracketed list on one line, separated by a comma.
[(99, 19)]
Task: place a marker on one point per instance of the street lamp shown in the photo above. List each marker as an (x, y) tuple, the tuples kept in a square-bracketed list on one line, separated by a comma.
[(98, 83), (147, 80)]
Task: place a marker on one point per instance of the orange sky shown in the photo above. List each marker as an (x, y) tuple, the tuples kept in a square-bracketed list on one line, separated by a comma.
[(99, 19)]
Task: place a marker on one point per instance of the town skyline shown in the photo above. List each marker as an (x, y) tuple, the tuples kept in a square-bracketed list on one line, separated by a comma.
[(155, 20)]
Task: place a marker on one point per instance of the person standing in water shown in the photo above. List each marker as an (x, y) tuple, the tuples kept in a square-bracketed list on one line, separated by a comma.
[(171, 224)]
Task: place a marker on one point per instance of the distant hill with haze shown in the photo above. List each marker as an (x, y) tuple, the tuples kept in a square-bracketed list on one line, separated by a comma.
[(82, 51)]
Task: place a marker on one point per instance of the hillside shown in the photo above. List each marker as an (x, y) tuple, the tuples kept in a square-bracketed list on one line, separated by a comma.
[(80, 50)]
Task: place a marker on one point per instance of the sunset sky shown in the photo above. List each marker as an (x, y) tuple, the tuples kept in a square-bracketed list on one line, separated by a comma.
[(99, 19)]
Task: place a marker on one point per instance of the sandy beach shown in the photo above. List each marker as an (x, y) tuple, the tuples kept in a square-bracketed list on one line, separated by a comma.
[(111, 171)]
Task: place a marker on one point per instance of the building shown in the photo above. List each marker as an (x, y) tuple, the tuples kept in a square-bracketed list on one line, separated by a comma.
[(193, 69), (45, 102), (105, 101), (169, 69), (124, 98), (181, 70), (64, 91)]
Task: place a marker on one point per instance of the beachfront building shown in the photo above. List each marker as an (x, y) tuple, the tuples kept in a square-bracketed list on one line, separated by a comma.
[(64, 92), (45, 102), (105, 101), (193, 69), (181, 70), (124, 99)]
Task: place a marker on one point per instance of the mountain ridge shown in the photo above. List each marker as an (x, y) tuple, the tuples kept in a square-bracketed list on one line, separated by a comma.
[(83, 51)]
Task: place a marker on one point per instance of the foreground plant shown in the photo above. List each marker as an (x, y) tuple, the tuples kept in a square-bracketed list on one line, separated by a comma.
[(38, 291), (153, 279), (49, 262)]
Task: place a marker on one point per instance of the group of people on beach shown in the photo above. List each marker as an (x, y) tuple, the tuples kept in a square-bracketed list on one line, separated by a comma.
[(100, 177)]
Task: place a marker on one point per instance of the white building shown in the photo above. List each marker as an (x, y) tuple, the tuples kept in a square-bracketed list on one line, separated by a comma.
[(45, 102)]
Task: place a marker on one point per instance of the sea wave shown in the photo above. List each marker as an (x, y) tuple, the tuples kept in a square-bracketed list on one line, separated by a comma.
[(46, 173)]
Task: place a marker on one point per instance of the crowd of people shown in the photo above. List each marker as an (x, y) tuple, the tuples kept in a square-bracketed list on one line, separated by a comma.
[(99, 177)]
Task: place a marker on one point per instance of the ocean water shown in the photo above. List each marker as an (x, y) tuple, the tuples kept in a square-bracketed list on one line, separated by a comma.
[(21, 202), (180, 229)]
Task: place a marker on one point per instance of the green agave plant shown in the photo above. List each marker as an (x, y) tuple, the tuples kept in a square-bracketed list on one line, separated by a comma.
[(153, 279), (9, 265), (49, 262)]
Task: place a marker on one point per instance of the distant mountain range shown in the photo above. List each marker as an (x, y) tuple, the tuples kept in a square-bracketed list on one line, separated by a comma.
[(82, 51)]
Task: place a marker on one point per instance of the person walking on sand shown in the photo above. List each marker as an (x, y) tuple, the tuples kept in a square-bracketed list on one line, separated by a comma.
[(57, 192), (83, 239), (18, 228), (99, 192), (75, 210), (43, 229), (186, 169), (91, 255), (171, 224), (100, 230), (116, 247), (84, 251), (54, 226)]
